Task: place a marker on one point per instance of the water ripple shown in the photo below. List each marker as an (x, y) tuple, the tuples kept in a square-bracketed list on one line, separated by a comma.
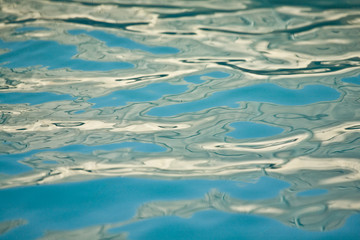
[(254, 105)]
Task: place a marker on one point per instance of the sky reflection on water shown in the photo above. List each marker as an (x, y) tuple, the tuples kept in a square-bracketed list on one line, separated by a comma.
[(67, 207), (149, 93), (32, 98), (258, 93), (52, 55), (186, 120), (115, 41)]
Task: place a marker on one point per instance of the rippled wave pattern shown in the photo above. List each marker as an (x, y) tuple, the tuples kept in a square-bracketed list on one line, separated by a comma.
[(197, 110)]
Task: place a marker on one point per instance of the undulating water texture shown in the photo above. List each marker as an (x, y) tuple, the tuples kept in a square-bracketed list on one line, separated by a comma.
[(158, 119)]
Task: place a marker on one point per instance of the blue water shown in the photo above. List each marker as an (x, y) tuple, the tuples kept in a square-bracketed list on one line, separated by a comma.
[(228, 226), (245, 130), (149, 93), (52, 55), (29, 29), (142, 147), (199, 78), (9, 164), (112, 40), (312, 192), (354, 80), (32, 98), (259, 93), (79, 205), (179, 120)]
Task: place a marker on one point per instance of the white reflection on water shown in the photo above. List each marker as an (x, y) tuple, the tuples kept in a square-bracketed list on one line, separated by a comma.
[(280, 43), (48, 125)]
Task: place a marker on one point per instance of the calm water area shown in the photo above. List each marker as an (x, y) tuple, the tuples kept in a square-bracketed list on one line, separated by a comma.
[(189, 119)]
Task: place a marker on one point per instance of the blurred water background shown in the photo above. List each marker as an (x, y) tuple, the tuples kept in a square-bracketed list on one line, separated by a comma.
[(149, 119)]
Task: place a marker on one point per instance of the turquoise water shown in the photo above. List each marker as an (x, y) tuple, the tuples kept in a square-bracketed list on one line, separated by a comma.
[(179, 120)]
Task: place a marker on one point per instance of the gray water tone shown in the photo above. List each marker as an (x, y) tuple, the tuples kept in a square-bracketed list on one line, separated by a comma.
[(147, 110)]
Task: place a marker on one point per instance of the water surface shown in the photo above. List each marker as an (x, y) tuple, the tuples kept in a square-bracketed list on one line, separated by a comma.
[(179, 120)]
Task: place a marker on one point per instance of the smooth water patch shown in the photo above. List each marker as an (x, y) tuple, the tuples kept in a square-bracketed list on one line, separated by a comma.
[(76, 206), (32, 98), (9, 163), (253, 130), (112, 40), (210, 225), (137, 146), (79, 111), (312, 192), (266, 92), (51, 54), (30, 29), (197, 79), (50, 162), (355, 80), (149, 93), (264, 188)]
